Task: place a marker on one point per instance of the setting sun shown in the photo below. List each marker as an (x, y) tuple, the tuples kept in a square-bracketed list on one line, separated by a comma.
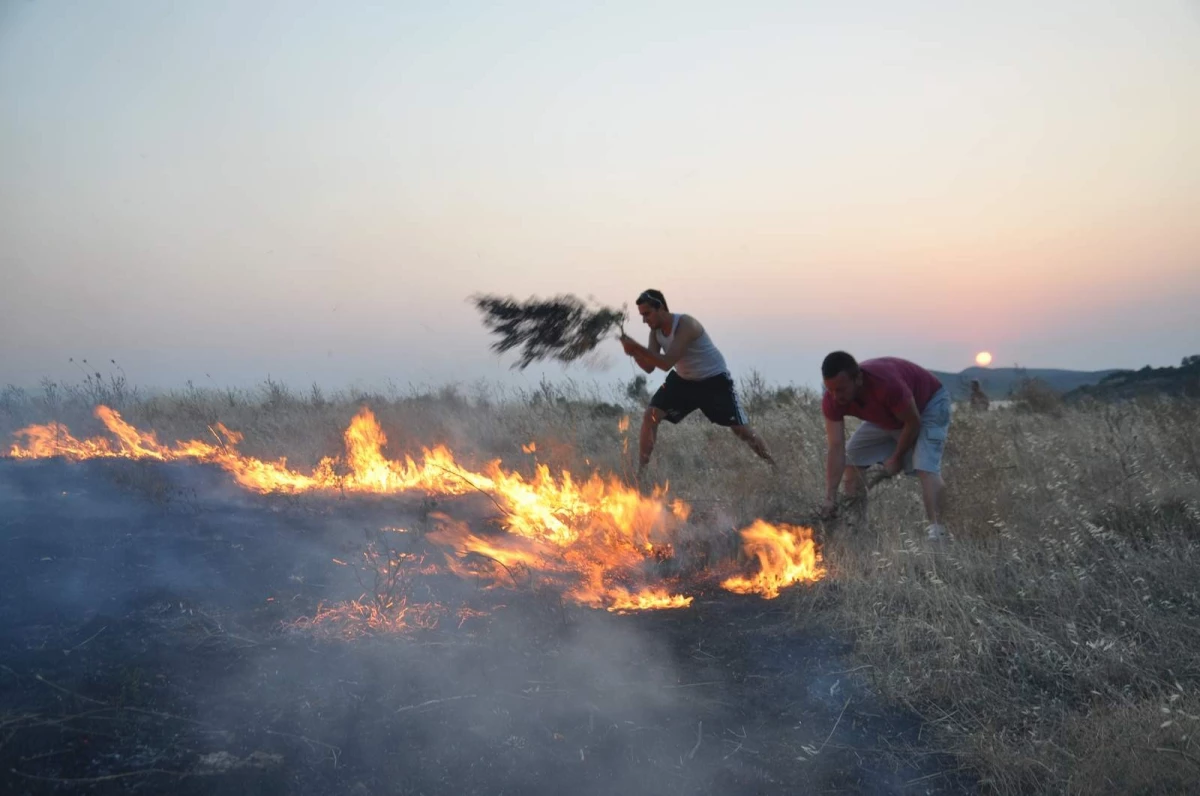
[(983, 359)]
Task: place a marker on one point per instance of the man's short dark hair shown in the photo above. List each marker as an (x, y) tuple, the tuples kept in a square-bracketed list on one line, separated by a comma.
[(652, 297), (839, 362)]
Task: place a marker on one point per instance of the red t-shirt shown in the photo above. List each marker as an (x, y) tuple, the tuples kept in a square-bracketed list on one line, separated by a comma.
[(888, 383)]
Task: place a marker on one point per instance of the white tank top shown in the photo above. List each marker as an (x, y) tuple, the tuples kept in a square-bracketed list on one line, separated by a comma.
[(700, 360)]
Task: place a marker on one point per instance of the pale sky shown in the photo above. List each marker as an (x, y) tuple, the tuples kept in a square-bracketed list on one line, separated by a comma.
[(312, 190)]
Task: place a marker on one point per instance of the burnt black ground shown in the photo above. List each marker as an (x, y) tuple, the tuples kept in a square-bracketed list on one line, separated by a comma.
[(146, 645)]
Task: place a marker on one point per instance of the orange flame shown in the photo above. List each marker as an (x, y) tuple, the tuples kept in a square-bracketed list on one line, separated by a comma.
[(54, 439), (623, 427), (594, 538), (648, 599), (786, 554)]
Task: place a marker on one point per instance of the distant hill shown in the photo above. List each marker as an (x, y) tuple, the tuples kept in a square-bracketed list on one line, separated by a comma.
[(999, 383), (1125, 384)]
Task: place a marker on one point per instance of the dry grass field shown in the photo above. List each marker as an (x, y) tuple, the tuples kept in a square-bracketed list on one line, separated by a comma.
[(1052, 647)]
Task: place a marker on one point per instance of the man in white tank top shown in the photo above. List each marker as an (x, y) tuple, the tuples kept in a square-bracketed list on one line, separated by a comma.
[(697, 379)]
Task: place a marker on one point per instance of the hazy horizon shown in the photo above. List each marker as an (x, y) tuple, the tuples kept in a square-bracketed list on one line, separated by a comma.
[(217, 191)]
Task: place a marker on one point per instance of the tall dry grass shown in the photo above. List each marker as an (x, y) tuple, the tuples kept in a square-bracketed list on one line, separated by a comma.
[(1054, 646)]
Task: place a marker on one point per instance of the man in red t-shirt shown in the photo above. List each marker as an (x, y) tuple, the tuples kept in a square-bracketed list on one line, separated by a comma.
[(906, 414)]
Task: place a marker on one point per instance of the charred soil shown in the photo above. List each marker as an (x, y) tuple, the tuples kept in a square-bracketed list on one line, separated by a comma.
[(157, 634)]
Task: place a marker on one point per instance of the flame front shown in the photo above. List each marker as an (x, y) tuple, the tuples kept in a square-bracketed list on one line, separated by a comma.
[(54, 439), (786, 554), (598, 540)]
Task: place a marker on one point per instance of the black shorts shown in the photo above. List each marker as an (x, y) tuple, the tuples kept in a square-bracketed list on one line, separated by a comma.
[(715, 397)]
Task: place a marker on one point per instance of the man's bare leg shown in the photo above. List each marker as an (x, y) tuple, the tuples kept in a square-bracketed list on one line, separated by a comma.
[(855, 487), (648, 437), (933, 494), (747, 435)]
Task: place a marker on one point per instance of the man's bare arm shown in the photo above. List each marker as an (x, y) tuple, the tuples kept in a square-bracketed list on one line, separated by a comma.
[(686, 333), (641, 359), (835, 457), (911, 419)]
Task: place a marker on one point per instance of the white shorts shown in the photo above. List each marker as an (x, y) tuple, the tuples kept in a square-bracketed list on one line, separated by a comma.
[(871, 444)]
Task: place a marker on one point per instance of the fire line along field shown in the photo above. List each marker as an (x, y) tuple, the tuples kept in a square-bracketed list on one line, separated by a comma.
[(184, 618)]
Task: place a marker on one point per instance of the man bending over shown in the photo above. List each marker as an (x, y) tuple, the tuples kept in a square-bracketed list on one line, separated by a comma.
[(906, 414)]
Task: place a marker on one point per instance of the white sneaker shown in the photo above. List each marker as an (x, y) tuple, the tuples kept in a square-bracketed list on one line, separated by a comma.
[(937, 532)]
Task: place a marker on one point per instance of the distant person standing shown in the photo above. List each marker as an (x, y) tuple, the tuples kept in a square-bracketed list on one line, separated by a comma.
[(906, 414), (697, 379), (978, 398)]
